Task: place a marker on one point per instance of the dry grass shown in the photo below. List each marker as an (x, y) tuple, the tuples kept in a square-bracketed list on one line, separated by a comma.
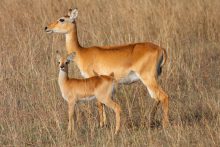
[(32, 111)]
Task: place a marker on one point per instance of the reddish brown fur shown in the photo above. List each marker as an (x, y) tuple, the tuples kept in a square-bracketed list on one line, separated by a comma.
[(99, 86), (140, 58)]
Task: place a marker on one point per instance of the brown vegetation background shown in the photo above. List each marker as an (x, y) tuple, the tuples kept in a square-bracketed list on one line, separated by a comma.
[(33, 112)]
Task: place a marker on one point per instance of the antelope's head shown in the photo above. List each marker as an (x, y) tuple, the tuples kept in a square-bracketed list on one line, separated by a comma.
[(64, 24), (65, 60)]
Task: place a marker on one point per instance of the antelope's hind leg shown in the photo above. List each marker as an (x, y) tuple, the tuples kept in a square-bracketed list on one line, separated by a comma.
[(102, 115), (158, 94), (117, 109)]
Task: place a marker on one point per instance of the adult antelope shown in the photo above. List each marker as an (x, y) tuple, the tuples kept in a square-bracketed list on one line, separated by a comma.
[(130, 63), (73, 90)]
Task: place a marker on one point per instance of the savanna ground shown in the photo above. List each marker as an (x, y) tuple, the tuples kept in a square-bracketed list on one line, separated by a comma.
[(33, 112)]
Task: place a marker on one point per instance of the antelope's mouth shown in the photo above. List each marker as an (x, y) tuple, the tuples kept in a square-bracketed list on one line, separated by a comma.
[(48, 31), (62, 68)]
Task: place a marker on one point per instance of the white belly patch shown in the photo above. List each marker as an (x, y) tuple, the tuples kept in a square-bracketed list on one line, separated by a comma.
[(130, 78), (89, 98), (83, 74)]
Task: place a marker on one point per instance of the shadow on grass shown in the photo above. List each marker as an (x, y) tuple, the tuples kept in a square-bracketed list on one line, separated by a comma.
[(199, 116)]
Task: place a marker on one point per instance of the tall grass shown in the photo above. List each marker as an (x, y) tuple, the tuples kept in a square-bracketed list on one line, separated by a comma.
[(33, 112)]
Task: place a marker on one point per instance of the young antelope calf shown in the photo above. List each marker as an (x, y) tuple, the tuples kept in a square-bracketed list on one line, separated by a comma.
[(99, 87)]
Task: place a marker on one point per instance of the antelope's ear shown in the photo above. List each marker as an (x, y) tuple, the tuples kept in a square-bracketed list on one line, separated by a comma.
[(73, 13), (69, 11), (71, 56), (58, 55), (95, 73)]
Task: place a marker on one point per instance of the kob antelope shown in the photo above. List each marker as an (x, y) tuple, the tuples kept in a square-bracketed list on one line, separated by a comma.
[(73, 90), (129, 63)]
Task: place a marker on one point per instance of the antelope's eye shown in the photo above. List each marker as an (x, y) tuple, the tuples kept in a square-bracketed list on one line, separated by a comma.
[(58, 62), (67, 62), (61, 20)]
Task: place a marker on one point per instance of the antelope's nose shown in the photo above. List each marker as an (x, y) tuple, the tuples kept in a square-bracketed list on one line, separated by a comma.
[(62, 66), (45, 28)]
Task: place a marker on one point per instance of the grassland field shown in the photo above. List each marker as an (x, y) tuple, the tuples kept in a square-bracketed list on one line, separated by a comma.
[(33, 112)]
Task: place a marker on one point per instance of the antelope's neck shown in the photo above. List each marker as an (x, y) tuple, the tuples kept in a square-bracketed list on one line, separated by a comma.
[(63, 77), (72, 43)]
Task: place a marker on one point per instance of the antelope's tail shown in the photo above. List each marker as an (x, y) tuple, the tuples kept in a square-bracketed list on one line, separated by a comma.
[(161, 62)]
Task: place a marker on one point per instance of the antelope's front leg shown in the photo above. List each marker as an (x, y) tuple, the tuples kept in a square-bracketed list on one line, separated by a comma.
[(71, 119)]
